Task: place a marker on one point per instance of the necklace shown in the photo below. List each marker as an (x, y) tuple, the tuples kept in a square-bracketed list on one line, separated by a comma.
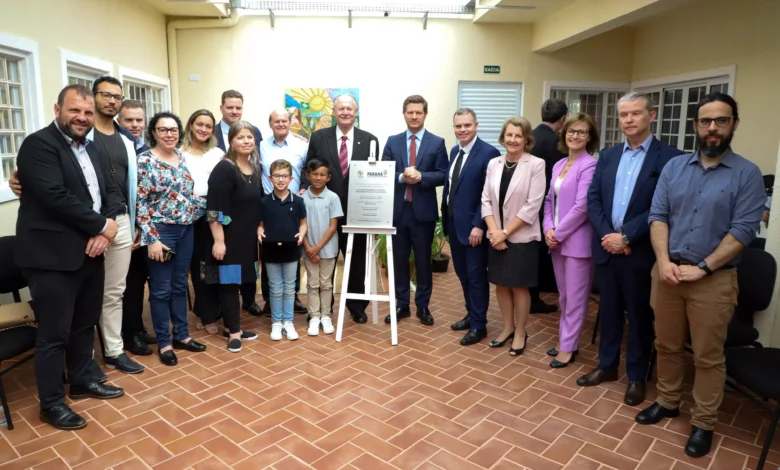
[(510, 167)]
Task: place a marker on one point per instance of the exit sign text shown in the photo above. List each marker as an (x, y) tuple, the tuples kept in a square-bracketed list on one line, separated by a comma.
[(492, 69)]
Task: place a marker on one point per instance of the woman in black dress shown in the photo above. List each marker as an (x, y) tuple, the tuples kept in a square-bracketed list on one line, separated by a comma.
[(233, 212)]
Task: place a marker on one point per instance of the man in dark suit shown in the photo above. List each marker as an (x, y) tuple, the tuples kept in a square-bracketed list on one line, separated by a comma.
[(420, 167), (461, 214), (232, 109), (619, 201), (64, 225), (547, 138), (339, 146)]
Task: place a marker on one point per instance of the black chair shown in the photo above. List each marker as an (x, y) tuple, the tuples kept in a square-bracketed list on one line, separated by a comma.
[(756, 275), (759, 243), (13, 341), (753, 369)]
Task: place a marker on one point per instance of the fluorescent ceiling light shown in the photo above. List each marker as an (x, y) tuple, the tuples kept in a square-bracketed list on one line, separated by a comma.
[(355, 14), (430, 6)]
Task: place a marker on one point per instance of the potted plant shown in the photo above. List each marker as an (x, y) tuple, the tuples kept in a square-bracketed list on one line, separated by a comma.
[(440, 262), (381, 249)]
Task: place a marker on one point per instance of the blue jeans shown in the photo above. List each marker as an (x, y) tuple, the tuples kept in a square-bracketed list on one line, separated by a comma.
[(281, 284), (168, 283)]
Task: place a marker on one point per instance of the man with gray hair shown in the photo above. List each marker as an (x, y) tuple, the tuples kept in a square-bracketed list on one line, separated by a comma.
[(461, 214), (619, 200), (339, 146), (283, 146)]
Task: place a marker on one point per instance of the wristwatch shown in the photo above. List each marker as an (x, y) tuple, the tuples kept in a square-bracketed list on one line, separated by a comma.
[(703, 266), (505, 232), (624, 237)]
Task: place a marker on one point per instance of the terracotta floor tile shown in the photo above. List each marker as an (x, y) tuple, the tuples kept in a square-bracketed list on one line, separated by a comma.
[(227, 451), (303, 429), (490, 453), (30, 460), (103, 462), (211, 463), (481, 433), (339, 457), (634, 445), (150, 451), (58, 464), (74, 452), (550, 429), (531, 460), (301, 449), (43, 442), (563, 449), (654, 461), (414, 456), (184, 460)]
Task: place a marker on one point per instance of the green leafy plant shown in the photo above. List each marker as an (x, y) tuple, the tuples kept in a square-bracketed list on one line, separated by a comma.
[(439, 240)]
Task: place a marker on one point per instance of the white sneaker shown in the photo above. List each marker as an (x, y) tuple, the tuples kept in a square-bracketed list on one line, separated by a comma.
[(289, 329), (327, 326), (276, 331), (314, 327)]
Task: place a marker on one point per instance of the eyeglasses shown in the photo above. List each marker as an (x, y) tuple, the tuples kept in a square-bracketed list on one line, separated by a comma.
[(167, 130), (721, 121), (579, 132), (107, 96), (280, 177)]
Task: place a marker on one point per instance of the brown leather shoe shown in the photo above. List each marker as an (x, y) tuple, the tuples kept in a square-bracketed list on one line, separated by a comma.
[(596, 377), (635, 393)]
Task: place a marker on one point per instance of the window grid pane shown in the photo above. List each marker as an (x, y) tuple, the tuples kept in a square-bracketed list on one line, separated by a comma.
[(594, 103), (670, 115), (12, 114)]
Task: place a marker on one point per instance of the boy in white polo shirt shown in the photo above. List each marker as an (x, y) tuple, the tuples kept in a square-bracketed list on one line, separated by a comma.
[(323, 209)]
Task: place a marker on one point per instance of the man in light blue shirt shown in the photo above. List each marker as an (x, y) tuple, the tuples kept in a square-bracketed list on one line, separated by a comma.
[(625, 180), (283, 146)]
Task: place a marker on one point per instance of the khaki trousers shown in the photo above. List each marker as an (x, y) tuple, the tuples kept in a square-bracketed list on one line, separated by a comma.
[(704, 308), (117, 265), (319, 286)]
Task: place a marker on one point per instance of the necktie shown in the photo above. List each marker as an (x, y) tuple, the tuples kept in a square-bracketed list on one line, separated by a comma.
[(344, 156), (412, 162), (454, 183)]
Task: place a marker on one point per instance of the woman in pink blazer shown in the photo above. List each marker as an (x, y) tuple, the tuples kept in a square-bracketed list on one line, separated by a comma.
[(568, 233), (511, 199)]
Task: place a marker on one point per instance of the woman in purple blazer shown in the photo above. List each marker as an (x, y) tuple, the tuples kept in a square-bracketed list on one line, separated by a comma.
[(567, 231)]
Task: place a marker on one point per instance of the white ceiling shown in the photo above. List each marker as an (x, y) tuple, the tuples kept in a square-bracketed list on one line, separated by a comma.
[(505, 13)]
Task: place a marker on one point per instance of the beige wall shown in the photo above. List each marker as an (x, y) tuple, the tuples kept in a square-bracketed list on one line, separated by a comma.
[(126, 33), (304, 52), (715, 33)]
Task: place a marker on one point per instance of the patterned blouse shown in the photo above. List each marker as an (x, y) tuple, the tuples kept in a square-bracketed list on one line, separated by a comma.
[(165, 196)]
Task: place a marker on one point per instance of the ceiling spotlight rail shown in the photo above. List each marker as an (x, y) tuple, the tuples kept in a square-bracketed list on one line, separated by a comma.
[(356, 6)]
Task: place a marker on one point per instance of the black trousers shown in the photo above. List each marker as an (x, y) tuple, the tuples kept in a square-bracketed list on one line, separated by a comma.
[(206, 295), (357, 271), (67, 306), (412, 235), (264, 281), (228, 302), (133, 299)]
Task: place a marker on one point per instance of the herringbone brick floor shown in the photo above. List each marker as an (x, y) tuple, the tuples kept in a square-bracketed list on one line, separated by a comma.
[(426, 404)]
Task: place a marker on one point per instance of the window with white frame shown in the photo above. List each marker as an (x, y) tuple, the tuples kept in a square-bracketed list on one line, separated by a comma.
[(13, 128), (493, 102), (676, 103), (152, 97), (81, 76), (601, 105), (78, 69)]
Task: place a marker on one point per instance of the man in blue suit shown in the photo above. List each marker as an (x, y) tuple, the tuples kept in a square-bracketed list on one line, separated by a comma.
[(461, 213), (420, 167), (619, 201), (232, 109)]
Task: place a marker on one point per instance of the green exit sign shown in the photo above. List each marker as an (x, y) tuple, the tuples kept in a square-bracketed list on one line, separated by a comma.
[(492, 68)]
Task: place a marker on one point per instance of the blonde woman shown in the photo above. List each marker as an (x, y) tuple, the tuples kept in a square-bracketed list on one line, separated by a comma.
[(511, 200)]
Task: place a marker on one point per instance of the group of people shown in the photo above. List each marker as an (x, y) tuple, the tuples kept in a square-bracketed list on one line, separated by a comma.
[(105, 209)]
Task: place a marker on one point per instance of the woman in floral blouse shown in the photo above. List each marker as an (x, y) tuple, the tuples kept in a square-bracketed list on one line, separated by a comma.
[(167, 208)]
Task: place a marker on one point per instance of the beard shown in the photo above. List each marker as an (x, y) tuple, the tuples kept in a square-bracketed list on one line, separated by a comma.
[(714, 150), (68, 130)]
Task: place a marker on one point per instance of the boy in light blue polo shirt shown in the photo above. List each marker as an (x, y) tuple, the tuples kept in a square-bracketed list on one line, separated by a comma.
[(323, 209)]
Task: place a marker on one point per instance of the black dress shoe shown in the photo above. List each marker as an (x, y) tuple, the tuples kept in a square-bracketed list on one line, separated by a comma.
[(62, 417), (124, 363), (425, 316), (190, 345), (474, 336), (556, 364), (95, 390), (267, 309), (298, 306), (655, 413), (137, 345), (147, 338), (400, 312), (97, 373), (358, 316), (699, 443), (500, 344), (596, 376), (169, 358), (461, 325), (543, 308), (253, 309), (635, 393)]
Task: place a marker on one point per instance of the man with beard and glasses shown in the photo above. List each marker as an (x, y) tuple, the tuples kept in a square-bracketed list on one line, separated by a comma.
[(116, 149), (64, 226), (706, 209)]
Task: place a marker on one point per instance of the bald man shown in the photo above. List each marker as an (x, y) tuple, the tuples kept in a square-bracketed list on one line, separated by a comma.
[(283, 146)]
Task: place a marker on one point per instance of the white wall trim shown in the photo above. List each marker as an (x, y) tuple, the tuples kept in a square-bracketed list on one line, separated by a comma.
[(730, 71), (147, 79), (97, 66), (573, 85), (27, 51)]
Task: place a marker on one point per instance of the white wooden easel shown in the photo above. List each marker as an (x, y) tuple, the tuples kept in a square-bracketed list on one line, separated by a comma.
[(370, 291)]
